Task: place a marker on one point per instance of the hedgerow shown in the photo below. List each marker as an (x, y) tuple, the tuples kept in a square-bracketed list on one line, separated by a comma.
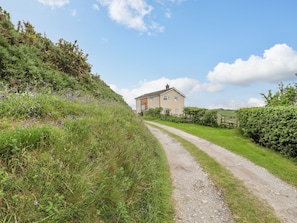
[(271, 127), (202, 116)]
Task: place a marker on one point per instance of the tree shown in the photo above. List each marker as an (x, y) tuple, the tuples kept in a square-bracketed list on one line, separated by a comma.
[(285, 96)]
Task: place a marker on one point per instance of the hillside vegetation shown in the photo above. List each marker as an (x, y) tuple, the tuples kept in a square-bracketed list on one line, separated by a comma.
[(71, 150)]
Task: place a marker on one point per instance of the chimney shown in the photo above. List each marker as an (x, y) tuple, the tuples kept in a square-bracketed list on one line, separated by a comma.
[(167, 86)]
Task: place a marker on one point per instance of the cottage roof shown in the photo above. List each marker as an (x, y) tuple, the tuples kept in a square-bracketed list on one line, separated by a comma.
[(158, 93)]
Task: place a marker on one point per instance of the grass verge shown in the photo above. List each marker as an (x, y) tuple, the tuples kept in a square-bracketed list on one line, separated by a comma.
[(244, 205), (231, 139), (79, 159)]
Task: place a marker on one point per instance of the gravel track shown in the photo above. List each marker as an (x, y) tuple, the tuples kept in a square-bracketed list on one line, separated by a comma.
[(196, 198), (281, 196)]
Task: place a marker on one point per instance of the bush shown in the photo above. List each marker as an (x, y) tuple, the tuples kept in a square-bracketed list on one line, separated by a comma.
[(205, 117), (154, 112), (271, 127)]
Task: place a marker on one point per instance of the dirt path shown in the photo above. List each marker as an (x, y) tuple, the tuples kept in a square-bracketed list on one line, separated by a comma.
[(195, 196), (281, 196)]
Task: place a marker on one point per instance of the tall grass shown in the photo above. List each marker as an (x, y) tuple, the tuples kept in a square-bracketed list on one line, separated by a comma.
[(79, 159)]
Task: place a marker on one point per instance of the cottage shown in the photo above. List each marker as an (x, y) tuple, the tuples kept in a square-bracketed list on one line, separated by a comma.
[(168, 99)]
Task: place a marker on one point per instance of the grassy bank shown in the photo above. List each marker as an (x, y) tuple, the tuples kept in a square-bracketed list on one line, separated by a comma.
[(79, 159), (244, 205), (71, 149), (231, 139)]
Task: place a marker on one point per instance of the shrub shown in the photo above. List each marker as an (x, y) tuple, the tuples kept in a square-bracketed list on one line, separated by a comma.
[(271, 127), (154, 112), (205, 117)]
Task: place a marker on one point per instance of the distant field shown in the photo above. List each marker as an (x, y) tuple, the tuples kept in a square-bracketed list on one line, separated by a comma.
[(228, 113), (227, 118)]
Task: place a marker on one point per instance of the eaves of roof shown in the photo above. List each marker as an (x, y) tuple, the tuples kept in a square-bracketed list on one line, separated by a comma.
[(171, 89), (158, 93), (155, 93)]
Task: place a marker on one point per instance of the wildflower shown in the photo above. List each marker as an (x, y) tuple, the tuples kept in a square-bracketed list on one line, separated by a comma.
[(35, 203)]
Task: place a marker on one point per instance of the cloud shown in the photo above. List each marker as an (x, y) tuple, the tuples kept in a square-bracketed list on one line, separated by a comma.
[(164, 2), (234, 105), (132, 14), (187, 86), (278, 63), (53, 3), (256, 102), (177, 1), (168, 14), (96, 7)]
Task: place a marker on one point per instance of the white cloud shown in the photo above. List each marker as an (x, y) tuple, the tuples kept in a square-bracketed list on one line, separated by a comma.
[(187, 86), (164, 2), (168, 14), (256, 102), (177, 1), (96, 7), (131, 13), (53, 3), (234, 104), (278, 63)]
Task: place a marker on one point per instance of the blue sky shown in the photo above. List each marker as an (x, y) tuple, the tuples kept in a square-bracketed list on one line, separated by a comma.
[(219, 53)]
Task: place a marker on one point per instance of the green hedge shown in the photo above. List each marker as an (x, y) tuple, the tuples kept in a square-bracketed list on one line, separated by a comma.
[(205, 117), (271, 127)]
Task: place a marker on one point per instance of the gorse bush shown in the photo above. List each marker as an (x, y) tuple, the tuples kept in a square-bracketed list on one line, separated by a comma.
[(31, 62), (271, 127)]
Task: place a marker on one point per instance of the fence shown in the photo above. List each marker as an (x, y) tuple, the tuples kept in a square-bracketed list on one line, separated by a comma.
[(227, 121)]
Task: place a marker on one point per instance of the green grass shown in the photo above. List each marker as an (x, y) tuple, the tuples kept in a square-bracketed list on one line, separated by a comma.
[(282, 167), (244, 205), (228, 113), (79, 159), (71, 149)]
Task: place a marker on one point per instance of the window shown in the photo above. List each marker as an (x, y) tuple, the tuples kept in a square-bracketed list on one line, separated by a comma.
[(151, 99), (175, 98), (176, 111), (166, 98), (143, 107)]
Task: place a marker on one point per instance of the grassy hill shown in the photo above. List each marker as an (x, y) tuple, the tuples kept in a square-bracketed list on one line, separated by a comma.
[(71, 150)]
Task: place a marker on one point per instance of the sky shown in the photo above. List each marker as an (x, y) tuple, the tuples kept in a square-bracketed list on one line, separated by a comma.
[(218, 53)]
